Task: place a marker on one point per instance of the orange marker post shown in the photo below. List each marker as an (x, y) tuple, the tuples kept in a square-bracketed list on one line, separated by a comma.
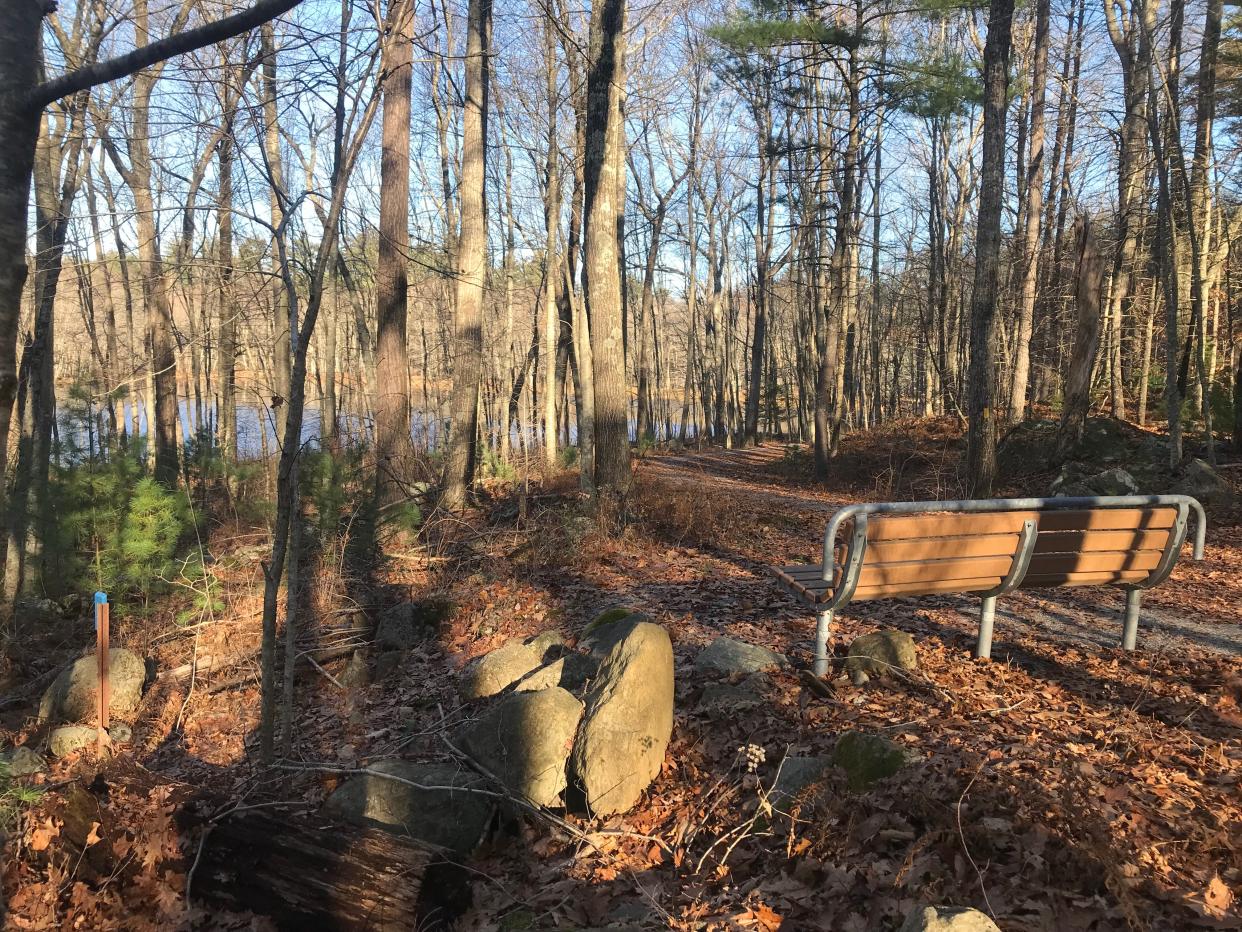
[(101, 649)]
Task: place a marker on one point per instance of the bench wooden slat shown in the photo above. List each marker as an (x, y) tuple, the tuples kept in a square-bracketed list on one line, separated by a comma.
[(1043, 564), (894, 590), (1092, 541), (1044, 581), (899, 551), (913, 527)]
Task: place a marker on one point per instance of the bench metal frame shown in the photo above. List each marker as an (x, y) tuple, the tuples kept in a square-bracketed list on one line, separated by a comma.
[(857, 548)]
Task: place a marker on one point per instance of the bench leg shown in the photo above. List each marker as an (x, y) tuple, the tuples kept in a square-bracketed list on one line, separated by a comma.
[(823, 627), (1129, 634), (987, 615)]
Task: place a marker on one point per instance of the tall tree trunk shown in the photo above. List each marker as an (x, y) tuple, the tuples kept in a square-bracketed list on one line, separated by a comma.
[(281, 362), (1030, 236), (604, 164), (471, 260), (981, 434), (392, 406)]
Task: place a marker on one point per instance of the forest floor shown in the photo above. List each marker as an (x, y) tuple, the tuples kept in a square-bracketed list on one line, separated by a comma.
[(1063, 785)]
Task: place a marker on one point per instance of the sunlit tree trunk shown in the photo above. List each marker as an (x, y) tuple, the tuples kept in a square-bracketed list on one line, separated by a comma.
[(471, 261)]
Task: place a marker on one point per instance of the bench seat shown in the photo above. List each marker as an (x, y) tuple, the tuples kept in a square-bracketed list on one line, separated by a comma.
[(992, 547)]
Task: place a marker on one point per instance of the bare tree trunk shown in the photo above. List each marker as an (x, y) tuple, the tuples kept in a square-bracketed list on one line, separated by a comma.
[(604, 161), (981, 435), (1030, 236), (392, 404), (460, 458)]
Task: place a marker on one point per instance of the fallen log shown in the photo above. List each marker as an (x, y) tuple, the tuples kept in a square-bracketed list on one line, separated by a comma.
[(311, 874)]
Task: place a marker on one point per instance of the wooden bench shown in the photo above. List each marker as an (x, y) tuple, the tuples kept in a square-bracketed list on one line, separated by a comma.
[(991, 547)]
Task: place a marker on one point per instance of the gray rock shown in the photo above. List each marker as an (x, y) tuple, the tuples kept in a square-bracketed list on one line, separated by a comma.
[(880, 653), (795, 775), (73, 696), (947, 919), (628, 721), (444, 813), (356, 674), (1115, 481), (1201, 481), (21, 762), (410, 623), (69, 739), (524, 741), (867, 759), (120, 733), (569, 672), (725, 656), (498, 670), (727, 697)]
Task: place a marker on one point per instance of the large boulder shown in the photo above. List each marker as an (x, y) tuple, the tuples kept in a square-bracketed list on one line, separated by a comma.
[(628, 721), (21, 762), (609, 628), (493, 673), (881, 652), (728, 657), (1201, 481), (441, 809), (524, 741), (570, 671), (947, 919), (867, 759), (73, 696)]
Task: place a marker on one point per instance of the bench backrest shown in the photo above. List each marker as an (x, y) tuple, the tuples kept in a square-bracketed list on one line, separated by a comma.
[(908, 549)]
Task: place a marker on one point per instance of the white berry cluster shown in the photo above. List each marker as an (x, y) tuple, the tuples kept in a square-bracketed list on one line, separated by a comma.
[(754, 755)]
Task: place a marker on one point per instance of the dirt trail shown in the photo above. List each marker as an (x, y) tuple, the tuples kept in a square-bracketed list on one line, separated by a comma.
[(1172, 618)]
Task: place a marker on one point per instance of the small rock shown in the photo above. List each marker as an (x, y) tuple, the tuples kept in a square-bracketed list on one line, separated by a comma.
[(947, 919), (386, 664), (356, 674), (445, 814), (21, 762), (494, 672), (860, 678), (867, 759), (1199, 480), (73, 695), (120, 733), (725, 656), (628, 721), (524, 741), (794, 776), (569, 672), (727, 697), (69, 739), (881, 652)]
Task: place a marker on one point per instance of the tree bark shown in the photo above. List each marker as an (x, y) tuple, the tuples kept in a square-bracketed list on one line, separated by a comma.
[(392, 406), (981, 433), (604, 162), (471, 261)]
